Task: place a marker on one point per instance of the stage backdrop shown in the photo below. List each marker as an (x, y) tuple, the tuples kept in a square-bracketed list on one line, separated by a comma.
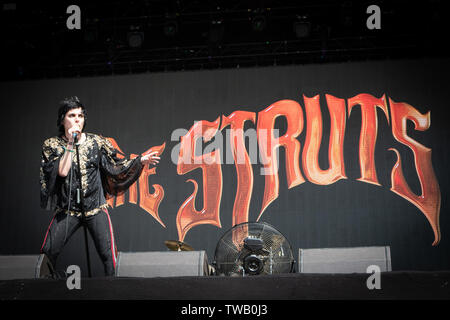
[(382, 180)]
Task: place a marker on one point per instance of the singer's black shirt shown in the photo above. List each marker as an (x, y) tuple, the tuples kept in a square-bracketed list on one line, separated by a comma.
[(103, 175)]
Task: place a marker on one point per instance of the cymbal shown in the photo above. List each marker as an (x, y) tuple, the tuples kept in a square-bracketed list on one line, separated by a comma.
[(176, 245)]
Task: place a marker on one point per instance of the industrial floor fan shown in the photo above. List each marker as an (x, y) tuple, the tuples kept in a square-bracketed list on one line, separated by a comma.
[(253, 248)]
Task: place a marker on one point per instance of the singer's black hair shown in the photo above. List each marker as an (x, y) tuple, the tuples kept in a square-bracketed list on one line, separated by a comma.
[(65, 105)]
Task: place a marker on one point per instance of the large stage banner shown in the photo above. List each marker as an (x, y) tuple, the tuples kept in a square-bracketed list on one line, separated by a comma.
[(331, 155)]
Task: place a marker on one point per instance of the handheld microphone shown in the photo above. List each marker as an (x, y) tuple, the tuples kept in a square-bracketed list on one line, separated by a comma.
[(75, 136)]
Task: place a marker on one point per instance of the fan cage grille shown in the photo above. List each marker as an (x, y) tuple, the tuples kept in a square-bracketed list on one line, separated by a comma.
[(276, 254)]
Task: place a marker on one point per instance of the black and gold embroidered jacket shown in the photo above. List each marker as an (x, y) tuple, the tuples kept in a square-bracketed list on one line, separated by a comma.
[(103, 175)]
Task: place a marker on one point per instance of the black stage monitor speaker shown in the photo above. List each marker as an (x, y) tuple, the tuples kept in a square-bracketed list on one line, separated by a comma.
[(344, 260), (24, 266), (162, 264)]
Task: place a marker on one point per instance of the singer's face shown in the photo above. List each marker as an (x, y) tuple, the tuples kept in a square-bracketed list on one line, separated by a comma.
[(74, 117)]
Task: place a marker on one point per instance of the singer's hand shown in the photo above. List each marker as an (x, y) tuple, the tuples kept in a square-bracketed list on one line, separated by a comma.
[(151, 158), (74, 129)]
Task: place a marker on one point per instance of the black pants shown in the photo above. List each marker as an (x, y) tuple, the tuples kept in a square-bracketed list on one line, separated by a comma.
[(100, 228)]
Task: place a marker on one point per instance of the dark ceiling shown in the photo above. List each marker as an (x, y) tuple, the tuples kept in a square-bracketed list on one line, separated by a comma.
[(191, 35)]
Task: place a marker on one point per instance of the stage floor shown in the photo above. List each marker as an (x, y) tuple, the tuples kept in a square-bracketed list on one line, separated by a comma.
[(394, 285)]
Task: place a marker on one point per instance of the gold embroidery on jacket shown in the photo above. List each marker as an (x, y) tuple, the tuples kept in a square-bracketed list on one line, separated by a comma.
[(84, 150)]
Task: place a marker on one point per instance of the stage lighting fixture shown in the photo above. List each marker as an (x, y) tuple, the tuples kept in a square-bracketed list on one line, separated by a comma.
[(170, 28), (90, 35), (216, 31), (259, 23), (135, 38), (9, 7), (302, 27), (346, 14)]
